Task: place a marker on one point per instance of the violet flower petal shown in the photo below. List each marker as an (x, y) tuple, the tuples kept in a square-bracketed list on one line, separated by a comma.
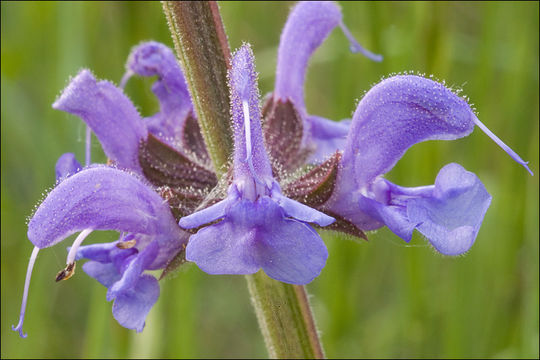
[(452, 217), (105, 273), (300, 211), (133, 272), (396, 114), (328, 136), (250, 157), (449, 214), (133, 293), (66, 165), (155, 59), (394, 217), (151, 59), (101, 198), (110, 115), (292, 252), (206, 216), (223, 248), (97, 252), (255, 235), (131, 307), (308, 25)]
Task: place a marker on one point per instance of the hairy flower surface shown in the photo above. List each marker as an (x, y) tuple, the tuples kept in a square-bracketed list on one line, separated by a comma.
[(259, 227), (307, 27), (290, 172), (394, 115), (120, 198)]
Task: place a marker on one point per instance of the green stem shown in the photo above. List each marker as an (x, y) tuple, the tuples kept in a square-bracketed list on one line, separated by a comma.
[(201, 44), (285, 318), (282, 310)]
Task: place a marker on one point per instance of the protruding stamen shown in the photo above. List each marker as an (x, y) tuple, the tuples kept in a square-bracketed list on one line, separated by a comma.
[(505, 147), (88, 145), (125, 78), (25, 292), (355, 47), (78, 241), (66, 273), (247, 130), (126, 244)]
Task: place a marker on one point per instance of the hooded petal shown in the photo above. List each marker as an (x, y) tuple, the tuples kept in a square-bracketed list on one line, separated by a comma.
[(101, 198), (396, 114), (250, 158), (308, 24), (110, 115), (66, 165), (155, 59)]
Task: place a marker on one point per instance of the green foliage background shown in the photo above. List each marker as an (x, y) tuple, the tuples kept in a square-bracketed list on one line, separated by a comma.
[(381, 298)]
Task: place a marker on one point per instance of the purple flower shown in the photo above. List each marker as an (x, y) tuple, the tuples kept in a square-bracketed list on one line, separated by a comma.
[(291, 172), (175, 123), (308, 25), (393, 115), (110, 199), (258, 226), (125, 198), (110, 115)]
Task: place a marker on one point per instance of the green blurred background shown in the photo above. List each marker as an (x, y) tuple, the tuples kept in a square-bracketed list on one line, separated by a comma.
[(381, 298)]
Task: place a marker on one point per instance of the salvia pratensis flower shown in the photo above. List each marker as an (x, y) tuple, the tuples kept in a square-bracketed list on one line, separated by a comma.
[(259, 227), (175, 123), (120, 198), (307, 27), (392, 116), (105, 198), (290, 172)]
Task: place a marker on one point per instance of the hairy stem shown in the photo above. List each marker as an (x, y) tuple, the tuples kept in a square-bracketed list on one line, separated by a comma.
[(285, 318), (282, 310), (201, 44)]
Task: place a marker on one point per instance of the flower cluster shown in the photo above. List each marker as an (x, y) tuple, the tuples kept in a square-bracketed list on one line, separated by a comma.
[(291, 172)]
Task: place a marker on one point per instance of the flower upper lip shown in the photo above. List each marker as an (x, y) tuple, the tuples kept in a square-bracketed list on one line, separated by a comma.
[(255, 219)]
